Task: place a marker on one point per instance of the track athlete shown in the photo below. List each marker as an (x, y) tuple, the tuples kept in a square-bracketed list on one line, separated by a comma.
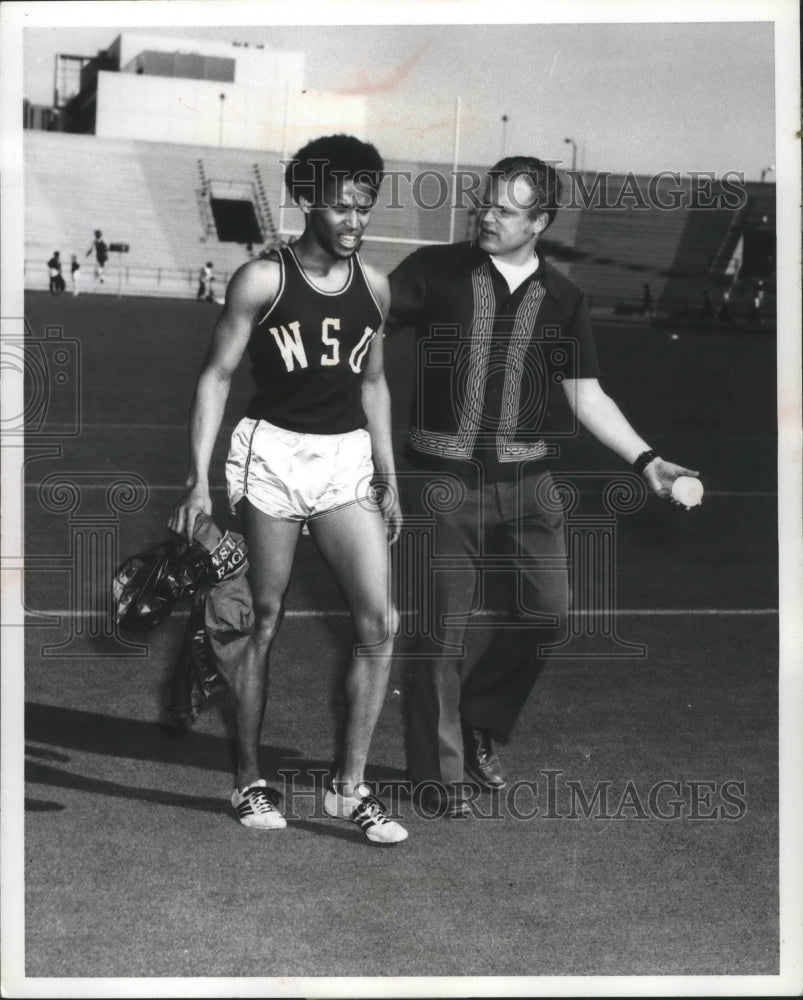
[(316, 430)]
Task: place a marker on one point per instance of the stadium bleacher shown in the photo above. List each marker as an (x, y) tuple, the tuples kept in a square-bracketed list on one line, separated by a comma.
[(153, 196), (143, 194)]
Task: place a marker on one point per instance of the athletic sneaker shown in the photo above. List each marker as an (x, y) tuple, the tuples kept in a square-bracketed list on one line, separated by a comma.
[(367, 811), (256, 805)]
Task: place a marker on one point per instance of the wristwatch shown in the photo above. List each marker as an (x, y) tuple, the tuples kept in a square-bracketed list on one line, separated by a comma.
[(644, 460)]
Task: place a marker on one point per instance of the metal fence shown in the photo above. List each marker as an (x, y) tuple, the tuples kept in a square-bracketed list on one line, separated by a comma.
[(122, 279)]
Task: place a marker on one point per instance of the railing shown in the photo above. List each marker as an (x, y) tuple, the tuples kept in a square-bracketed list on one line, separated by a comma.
[(123, 279), (721, 259), (263, 203), (202, 197)]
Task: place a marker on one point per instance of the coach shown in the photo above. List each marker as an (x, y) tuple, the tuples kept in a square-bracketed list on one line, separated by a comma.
[(496, 326)]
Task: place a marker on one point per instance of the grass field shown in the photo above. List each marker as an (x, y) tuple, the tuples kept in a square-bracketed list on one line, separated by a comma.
[(134, 863)]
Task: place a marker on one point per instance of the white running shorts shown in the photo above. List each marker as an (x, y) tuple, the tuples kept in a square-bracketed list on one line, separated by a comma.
[(296, 476)]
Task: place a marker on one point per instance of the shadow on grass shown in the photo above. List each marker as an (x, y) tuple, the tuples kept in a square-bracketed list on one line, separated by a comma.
[(133, 739), (43, 774)]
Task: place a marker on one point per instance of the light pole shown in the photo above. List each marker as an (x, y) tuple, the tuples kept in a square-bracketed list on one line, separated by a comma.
[(574, 152), (504, 133), (220, 130), (767, 170)]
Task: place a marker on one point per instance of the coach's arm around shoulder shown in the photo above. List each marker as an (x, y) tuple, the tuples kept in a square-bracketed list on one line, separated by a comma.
[(253, 286), (601, 416)]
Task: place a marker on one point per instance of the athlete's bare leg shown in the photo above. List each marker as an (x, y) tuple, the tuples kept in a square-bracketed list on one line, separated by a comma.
[(271, 548), (353, 541)]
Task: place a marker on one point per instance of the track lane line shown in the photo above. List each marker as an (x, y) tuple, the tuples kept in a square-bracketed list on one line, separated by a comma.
[(338, 613)]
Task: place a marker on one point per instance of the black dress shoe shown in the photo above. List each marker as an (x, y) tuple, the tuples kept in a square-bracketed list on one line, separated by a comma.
[(436, 803), (479, 758)]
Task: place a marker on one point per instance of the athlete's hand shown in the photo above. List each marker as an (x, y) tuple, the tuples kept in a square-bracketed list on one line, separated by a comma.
[(660, 475), (387, 494), (196, 500), (393, 519)]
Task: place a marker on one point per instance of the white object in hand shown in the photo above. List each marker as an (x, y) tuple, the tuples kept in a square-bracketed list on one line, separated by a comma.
[(687, 490)]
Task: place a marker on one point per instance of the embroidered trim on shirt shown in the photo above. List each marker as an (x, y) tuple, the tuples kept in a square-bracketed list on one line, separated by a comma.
[(507, 450), (461, 444)]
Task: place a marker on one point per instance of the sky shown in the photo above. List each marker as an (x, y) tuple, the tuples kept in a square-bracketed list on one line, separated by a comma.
[(633, 96)]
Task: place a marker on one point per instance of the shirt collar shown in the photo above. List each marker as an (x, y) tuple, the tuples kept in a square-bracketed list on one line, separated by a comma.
[(543, 273)]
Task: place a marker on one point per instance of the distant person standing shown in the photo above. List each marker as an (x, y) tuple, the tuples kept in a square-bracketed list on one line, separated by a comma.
[(101, 252), (206, 282), (758, 302), (54, 269), (708, 308), (646, 302), (724, 306), (75, 274)]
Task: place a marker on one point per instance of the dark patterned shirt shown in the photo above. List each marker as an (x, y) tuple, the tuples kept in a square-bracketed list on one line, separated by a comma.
[(488, 361)]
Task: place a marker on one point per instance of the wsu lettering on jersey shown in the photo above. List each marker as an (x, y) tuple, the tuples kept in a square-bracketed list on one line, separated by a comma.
[(309, 351), (291, 345)]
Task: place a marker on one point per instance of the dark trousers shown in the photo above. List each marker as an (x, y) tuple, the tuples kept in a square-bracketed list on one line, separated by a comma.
[(499, 525)]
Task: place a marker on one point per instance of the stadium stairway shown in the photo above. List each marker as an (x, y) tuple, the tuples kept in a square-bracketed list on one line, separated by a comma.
[(701, 257)]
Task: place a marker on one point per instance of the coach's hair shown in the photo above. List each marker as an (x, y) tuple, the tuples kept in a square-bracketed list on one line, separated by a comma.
[(332, 158), (542, 177)]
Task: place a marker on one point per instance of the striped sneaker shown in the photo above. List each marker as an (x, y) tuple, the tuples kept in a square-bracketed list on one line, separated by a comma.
[(367, 811), (256, 805)]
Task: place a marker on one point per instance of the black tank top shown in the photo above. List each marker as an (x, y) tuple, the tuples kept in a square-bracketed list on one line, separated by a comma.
[(309, 351)]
